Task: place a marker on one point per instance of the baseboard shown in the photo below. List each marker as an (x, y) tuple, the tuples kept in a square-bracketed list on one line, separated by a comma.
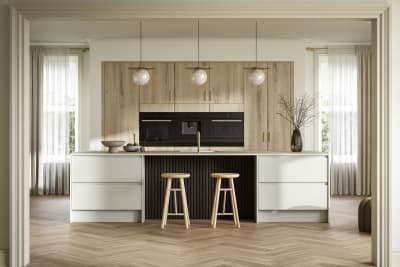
[(396, 258), (104, 216), (3, 257), (318, 216)]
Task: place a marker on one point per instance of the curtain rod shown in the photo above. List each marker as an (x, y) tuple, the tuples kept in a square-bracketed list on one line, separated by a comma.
[(60, 44)]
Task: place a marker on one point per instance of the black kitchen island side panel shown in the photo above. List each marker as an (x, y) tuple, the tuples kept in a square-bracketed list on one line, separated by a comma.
[(200, 186)]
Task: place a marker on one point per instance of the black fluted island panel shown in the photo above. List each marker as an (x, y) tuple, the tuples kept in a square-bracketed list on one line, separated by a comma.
[(200, 187)]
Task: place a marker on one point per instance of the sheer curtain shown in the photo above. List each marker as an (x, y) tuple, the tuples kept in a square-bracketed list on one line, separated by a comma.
[(53, 76), (343, 120)]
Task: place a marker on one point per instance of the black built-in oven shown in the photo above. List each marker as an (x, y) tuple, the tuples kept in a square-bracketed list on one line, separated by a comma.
[(180, 128)]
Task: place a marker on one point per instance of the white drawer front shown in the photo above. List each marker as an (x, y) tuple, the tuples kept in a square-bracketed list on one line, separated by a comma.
[(292, 196), (292, 169), (106, 169), (106, 196)]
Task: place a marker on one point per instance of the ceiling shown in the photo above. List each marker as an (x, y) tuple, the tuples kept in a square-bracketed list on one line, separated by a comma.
[(313, 31), (168, 2)]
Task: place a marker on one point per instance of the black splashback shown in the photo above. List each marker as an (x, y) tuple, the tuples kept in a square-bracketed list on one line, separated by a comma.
[(200, 187), (180, 128)]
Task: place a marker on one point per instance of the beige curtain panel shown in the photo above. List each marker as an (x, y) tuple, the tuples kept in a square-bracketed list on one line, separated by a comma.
[(363, 184)]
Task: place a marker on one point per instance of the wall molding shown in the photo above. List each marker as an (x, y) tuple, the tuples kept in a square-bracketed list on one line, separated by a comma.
[(3, 258), (177, 11), (19, 140), (395, 258), (19, 155)]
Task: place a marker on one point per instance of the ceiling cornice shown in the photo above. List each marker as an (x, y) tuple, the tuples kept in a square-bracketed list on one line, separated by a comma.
[(200, 11)]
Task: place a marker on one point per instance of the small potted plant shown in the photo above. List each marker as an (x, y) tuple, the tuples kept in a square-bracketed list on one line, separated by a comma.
[(300, 113)]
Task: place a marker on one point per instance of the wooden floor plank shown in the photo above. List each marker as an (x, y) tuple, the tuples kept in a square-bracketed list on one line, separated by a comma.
[(55, 242)]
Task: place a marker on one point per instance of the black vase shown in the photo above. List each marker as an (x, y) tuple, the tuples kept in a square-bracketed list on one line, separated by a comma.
[(296, 143)]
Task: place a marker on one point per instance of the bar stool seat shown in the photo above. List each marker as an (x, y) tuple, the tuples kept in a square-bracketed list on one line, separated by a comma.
[(225, 175), (235, 213), (173, 175), (185, 214)]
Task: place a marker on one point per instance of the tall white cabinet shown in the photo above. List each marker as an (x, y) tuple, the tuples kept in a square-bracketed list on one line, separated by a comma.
[(107, 188), (292, 188)]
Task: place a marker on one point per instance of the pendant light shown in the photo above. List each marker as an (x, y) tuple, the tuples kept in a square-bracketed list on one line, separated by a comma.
[(141, 75), (199, 75), (257, 74)]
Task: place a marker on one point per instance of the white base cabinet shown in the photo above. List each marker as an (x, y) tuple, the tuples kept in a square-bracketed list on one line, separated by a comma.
[(292, 188), (107, 188)]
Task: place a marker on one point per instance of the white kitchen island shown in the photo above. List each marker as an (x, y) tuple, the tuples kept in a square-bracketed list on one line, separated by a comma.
[(289, 187)]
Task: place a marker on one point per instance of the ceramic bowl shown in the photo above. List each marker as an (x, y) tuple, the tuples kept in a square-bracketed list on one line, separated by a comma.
[(113, 145), (131, 148)]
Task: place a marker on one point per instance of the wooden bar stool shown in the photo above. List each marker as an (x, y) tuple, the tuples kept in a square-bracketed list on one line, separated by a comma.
[(218, 189), (185, 214)]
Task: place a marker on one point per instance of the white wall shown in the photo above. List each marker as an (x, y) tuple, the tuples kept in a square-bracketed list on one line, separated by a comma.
[(177, 41), (103, 50), (4, 130)]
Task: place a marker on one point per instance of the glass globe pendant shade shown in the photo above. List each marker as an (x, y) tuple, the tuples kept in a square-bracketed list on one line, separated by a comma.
[(199, 77), (257, 77), (141, 77)]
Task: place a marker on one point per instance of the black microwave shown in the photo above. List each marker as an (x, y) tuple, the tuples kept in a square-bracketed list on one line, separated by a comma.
[(180, 128)]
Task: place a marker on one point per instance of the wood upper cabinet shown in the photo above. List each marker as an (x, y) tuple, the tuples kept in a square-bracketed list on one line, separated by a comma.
[(186, 92), (160, 89), (264, 128), (280, 83), (120, 102), (226, 83), (256, 113)]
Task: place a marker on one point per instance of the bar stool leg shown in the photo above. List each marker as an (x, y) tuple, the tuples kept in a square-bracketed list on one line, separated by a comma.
[(216, 202), (184, 203), (166, 203), (215, 199), (234, 204)]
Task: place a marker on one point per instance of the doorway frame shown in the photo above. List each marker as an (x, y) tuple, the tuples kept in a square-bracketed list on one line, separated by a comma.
[(20, 100)]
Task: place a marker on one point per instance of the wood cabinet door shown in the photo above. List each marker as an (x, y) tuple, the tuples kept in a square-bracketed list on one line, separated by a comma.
[(186, 92), (256, 113), (226, 83), (280, 83), (120, 102), (160, 89)]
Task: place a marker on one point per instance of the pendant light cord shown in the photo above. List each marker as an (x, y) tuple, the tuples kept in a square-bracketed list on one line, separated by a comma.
[(198, 43), (140, 43), (256, 44)]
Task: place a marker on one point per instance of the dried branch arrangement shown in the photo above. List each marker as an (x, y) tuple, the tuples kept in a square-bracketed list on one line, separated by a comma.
[(301, 113)]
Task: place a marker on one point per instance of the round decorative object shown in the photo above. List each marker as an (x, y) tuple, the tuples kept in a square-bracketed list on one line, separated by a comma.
[(296, 143), (113, 146), (199, 77), (131, 148), (257, 77), (141, 77)]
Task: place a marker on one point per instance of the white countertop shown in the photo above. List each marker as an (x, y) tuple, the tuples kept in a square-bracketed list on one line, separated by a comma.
[(206, 153)]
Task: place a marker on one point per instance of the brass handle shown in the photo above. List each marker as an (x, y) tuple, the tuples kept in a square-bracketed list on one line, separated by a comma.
[(169, 95), (209, 96), (268, 137), (204, 95), (263, 137)]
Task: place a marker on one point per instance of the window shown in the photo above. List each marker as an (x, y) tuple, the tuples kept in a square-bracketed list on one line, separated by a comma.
[(323, 102), (60, 100), (73, 102)]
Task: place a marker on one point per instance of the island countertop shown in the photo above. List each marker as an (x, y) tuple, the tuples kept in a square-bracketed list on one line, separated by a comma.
[(201, 153)]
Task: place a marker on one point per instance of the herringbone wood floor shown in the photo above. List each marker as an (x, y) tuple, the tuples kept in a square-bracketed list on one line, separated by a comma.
[(55, 242)]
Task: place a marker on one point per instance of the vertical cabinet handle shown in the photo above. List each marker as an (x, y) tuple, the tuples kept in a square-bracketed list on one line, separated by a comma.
[(263, 137), (205, 95), (268, 137), (209, 95)]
